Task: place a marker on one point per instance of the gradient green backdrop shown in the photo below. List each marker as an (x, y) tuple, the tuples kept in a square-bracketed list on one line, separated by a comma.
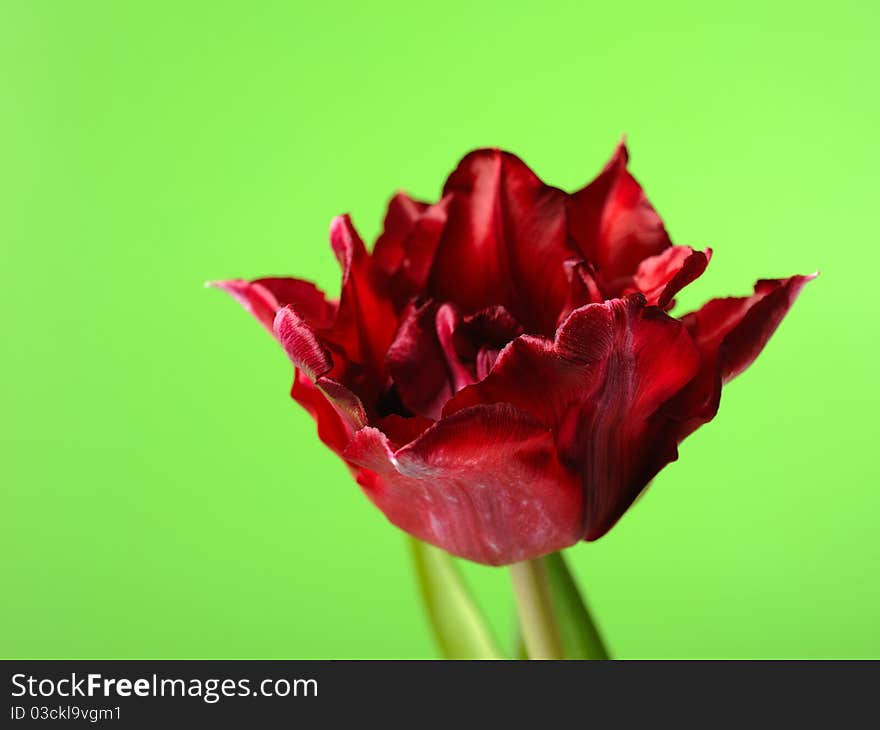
[(163, 497)]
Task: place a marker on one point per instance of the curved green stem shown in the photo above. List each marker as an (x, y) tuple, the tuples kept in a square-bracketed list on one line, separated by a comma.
[(580, 635), (555, 622), (459, 627), (535, 606)]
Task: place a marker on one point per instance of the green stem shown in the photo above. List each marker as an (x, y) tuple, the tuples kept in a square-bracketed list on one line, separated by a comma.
[(458, 625), (580, 635), (535, 606)]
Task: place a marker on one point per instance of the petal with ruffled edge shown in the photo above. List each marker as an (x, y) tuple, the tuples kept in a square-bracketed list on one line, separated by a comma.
[(485, 484), (504, 243), (311, 357), (599, 386), (292, 310), (264, 297), (614, 225), (730, 333), (661, 277)]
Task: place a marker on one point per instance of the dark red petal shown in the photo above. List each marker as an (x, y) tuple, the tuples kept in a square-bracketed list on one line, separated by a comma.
[(614, 225), (485, 484), (730, 333), (417, 364), (599, 384), (310, 356), (661, 277), (345, 401), (744, 343), (366, 319), (504, 242), (738, 328), (402, 430), (264, 297), (582, 287), (493, 327), (291, 310), (448, 322), (404, 252), (403, 212), (485, 361), (333, 429), (423, 362), (480, 337), (419, 250)]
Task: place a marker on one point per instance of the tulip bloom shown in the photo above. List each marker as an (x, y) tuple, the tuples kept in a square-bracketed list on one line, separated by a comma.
[(502, 374)]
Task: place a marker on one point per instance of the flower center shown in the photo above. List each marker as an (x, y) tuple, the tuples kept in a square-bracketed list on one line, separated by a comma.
[(437, 351)]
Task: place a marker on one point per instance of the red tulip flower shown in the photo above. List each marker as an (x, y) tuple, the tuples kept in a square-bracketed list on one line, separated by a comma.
[(502, 374)]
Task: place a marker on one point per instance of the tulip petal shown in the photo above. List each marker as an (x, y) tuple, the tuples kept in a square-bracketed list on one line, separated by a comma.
[(301, 344), (437, 352), (311, 357), (264, 297), (582, 287), (366, 320), (661, 277), (404, 252), (480, 337), (401, 430), (484, 484), (730, 333), (401, 217), (333, 429), (292, 310), (447, 322), (600, 385), (739, 328), (504, 242), (416, 362), (614, 225)]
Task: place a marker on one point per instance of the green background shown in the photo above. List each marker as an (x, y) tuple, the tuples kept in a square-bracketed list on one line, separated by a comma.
[(161, 494)]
